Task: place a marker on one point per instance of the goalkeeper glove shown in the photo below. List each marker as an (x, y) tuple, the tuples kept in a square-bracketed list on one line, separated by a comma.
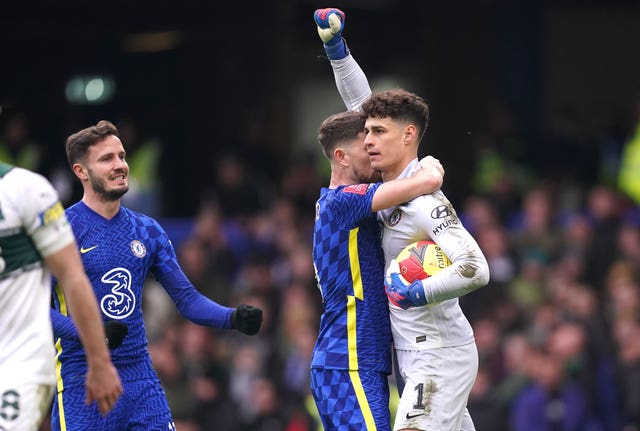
[(115, 332), (246, 319), (330, 23), (401, 293)]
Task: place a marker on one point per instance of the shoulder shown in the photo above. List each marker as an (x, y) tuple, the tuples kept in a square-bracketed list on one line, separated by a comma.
[(24, 187)]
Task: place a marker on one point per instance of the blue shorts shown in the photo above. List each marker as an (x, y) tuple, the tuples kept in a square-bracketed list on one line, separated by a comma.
[(142, 407), (351, 400)]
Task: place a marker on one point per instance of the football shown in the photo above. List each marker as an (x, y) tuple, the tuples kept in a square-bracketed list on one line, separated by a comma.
[(420, 260)]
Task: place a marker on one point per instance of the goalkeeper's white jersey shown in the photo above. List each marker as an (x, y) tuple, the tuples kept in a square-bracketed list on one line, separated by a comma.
[(442, 324), (32, 225)]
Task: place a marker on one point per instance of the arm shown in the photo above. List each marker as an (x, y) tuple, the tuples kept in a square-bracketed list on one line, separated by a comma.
[(63, 326), (103, 383), (201, 310), (468, 271), (351, 81), (426, 180)]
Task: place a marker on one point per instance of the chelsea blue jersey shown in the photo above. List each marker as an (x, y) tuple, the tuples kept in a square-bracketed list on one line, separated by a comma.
[(117, 254), (354, 333)]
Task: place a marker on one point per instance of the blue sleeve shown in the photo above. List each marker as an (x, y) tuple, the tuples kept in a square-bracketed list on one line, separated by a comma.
[(63, 326), (192, 304)]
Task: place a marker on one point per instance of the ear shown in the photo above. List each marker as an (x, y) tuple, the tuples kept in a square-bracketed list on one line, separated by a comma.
[(80, 171), (410, 134), (340, 156)]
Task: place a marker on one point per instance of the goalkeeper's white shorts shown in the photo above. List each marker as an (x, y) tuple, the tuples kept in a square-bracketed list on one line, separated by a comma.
[(437, 386)]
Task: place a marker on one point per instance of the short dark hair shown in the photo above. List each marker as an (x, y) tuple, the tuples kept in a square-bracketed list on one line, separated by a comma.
[(338, 128), (398, 104), (79, 143)]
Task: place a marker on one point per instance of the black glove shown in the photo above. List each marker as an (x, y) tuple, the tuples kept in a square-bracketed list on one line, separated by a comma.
[(246, 319), (115, 332)]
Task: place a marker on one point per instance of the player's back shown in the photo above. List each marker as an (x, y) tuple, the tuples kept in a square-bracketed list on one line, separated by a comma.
[(31, 218), (354, 327)]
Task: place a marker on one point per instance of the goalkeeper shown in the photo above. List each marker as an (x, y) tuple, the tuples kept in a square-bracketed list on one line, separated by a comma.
[(351, 359), (434, 342)]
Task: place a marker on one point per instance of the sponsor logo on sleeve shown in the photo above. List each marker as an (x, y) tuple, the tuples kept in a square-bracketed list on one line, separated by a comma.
[(358, 189), (51, 214)]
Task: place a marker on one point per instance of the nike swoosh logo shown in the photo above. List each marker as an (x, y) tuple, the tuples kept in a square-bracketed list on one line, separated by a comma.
[(86, 250), (414, 416)]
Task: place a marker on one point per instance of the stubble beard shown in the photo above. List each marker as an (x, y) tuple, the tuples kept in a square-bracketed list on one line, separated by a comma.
[(107, 195)]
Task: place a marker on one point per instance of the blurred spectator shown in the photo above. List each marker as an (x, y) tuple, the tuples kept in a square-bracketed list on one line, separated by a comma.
[(550, 401), (629, 176), (17, 145), (144, 154), (235, 190)]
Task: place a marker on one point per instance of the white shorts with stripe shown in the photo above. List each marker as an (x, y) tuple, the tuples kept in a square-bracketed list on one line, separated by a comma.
[(437, 386)]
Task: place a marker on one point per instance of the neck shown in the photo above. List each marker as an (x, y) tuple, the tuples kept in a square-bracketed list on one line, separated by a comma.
[(106, 209), (394, 171)]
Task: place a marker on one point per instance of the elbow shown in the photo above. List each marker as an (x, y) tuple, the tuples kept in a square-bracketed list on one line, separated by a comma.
[(482, 274), (476, 270)]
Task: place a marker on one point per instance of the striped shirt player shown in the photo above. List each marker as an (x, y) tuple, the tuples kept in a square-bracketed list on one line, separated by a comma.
[(35, 240), (32, 225), (118, 254), (351, 359)]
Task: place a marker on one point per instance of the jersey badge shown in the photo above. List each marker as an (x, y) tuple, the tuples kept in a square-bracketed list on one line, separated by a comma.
[(358, 189), (138, 249), (395, 217)]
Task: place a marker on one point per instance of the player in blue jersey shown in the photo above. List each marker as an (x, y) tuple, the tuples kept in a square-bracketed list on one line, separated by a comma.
[(352, 356), (119, 248)]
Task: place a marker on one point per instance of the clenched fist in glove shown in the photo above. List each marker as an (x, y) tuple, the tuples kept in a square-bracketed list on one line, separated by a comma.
[(115, 332), (246, 319), (330, 22), (402, 293)]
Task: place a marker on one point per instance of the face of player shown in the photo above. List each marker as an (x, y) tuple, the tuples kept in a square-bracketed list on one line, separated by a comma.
[(107, 168), (361, 170), (387, 147)]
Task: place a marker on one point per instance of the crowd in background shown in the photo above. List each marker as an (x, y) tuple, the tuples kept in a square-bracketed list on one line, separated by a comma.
[(557, 327)]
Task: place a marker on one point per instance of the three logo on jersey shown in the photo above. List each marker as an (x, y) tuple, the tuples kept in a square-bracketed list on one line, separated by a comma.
[(121, 302)]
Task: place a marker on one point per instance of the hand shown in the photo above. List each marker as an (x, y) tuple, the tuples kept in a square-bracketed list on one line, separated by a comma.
[(115, 332), (401, 293), (330, 23), (246, 319), (103, 385), (431, 162)]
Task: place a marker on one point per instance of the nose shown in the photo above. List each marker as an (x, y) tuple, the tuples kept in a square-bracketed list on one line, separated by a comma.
[(121, 164), (368, 141)]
